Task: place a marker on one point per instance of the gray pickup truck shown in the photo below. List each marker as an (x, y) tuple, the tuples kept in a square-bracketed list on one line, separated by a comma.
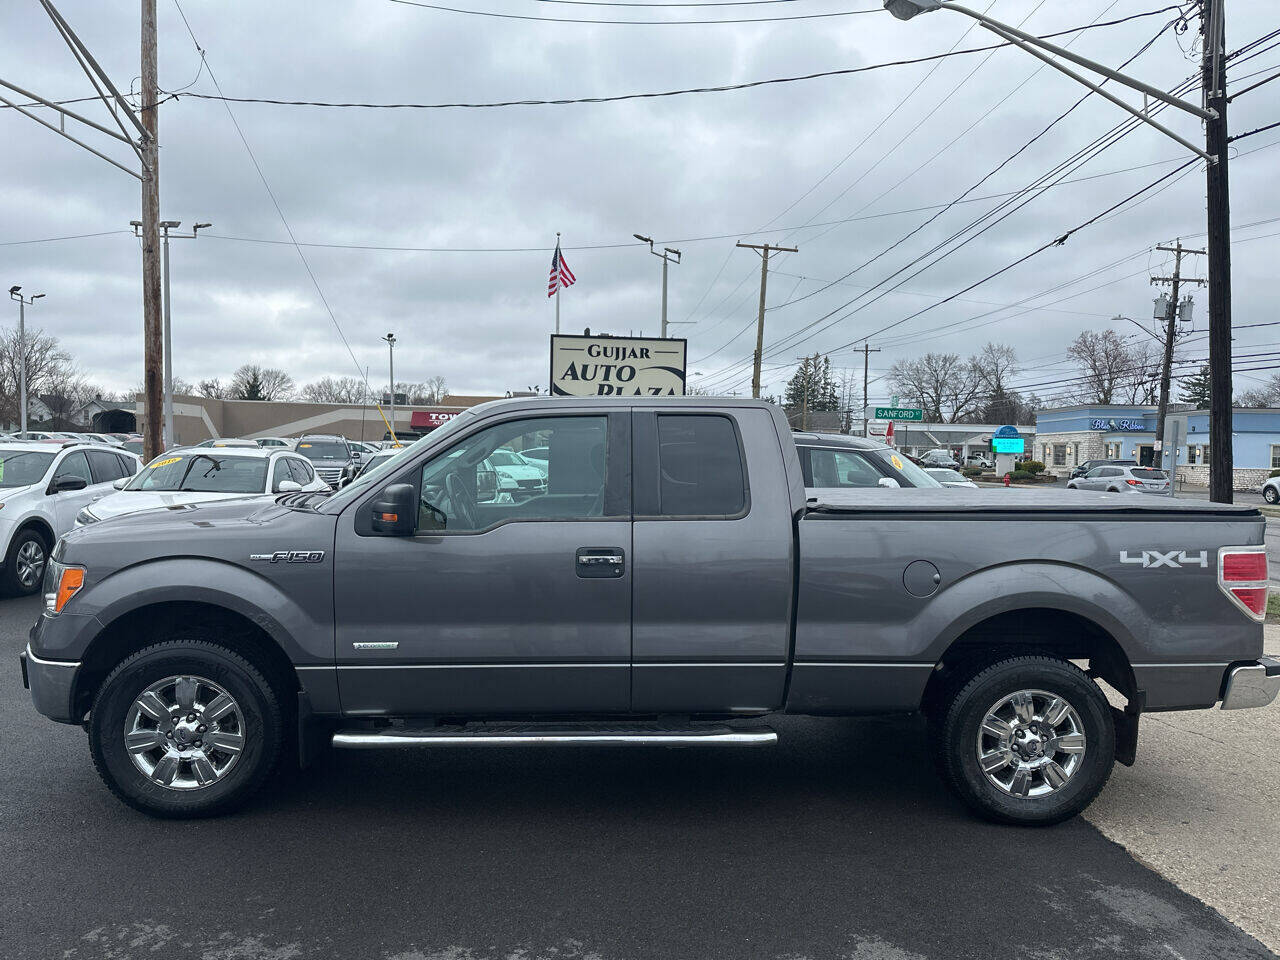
[(673, 582)]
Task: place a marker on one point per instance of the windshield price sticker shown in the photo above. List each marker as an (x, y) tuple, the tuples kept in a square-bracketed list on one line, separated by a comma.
[(893, 458), (165, 462)]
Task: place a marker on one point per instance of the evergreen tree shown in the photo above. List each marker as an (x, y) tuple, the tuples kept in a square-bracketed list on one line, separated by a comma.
[(812, 385), (1195, 389)]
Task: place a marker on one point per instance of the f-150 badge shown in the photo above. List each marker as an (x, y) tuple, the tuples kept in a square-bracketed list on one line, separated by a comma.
[(290, 556), (1177, 559)]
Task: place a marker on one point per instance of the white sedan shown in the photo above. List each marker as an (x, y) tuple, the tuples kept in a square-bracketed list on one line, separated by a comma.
[(202, 475), (524, 477), (949, 478)]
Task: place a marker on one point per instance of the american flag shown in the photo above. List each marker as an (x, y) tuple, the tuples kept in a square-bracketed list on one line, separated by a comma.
[(561, 275)]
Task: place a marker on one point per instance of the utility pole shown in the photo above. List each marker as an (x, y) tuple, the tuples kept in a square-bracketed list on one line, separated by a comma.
[(1171, 320), (1213, 70), (666, 255), (764, 249), (169, 432), (866, 370), (23, 303), (153, 347), (390, 339)]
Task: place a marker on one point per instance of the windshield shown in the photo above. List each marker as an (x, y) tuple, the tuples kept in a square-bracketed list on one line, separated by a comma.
[(21, 468), (203, 473), (902, 465), (323, 449)]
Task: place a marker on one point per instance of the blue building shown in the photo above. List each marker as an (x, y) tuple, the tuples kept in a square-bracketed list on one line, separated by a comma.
[(1068, 436)]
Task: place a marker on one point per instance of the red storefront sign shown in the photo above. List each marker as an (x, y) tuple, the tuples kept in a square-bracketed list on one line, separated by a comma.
[(423, 420)]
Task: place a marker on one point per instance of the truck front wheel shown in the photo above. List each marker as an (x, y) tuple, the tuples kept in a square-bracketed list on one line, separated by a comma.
[(185, 728), (1029, 740)]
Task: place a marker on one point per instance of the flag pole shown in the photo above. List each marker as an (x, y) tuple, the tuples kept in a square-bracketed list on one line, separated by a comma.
[(557, 282)]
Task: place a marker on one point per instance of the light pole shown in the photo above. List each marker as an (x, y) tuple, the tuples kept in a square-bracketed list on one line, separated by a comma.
[(1214, 114), (22, 352), (666, 255), (390, 339), (167, 226)]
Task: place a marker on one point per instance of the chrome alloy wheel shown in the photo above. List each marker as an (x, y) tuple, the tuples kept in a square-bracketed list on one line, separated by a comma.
[(1031, 743), (29, 563), (184, 732)]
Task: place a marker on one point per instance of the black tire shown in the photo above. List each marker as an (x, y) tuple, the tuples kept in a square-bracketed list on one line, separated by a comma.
[(259, 706), (11, 583), (1271, 494), (959, 732)]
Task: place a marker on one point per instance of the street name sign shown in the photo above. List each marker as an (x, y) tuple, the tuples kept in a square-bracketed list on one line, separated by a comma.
[(900, 413)]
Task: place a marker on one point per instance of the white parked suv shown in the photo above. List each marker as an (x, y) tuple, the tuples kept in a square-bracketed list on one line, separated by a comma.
[(205, 474), (42, 488)]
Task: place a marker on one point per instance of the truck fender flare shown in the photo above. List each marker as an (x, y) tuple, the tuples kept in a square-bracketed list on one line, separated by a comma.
[(222, 584), (1028, 586)]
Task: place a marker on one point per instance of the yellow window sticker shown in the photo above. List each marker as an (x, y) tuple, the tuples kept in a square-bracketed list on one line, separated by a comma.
[(893, 458), (165, 462), (303, 446)]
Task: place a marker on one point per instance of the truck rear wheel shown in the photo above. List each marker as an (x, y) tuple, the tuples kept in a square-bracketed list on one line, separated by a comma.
[(185, 728), (1029, 740)]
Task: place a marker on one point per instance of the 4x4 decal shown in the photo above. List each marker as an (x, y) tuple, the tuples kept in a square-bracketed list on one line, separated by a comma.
[(1150, 559)]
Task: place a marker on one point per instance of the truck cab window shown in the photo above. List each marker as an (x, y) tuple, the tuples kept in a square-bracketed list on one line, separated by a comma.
[(700, 467), (484, 480)]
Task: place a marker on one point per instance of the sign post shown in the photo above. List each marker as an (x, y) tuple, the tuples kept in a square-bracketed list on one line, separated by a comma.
[(603, 366)]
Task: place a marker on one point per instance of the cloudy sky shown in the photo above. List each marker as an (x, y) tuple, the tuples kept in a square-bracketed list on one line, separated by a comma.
[(842, 167)]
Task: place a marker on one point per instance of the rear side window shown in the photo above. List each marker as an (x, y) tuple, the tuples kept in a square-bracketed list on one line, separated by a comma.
[(280, 473), (105, 466), (700, 467), (128, 466)]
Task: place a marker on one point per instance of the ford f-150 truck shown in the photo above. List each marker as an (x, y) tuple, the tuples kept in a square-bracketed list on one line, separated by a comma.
[(673, 583)]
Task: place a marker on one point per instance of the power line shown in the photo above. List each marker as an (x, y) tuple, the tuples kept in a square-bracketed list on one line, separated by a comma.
[(274, 202), (641, 23), (78, 236), (723, 88)]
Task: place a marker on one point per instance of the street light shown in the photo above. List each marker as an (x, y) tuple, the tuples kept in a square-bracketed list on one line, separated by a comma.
[(168, 437), (23, 303), (390, 340), (907, 9), (666, 255), (1214, 114)]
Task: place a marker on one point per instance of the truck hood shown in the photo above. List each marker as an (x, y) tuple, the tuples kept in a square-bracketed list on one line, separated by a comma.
[(987, 500), (131, 501), (231, 531)]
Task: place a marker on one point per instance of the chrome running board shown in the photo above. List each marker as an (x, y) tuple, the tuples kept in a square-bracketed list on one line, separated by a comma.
[(508, 735)]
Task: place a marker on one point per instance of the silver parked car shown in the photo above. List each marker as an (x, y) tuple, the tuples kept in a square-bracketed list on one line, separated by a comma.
[(1122, 479)]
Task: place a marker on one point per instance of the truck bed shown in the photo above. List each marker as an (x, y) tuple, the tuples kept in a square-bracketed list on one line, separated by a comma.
[(834, 503)]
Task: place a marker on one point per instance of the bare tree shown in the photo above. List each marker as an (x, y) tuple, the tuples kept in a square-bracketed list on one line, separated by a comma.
[(424, 393), (254, 382), (213, 388), (335, 390), (1107, 363), (1267, 395), (947, 388), (46, 362)]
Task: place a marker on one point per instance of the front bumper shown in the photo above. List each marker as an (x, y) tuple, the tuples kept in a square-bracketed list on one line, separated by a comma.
[(52, 685), (1251, 684)]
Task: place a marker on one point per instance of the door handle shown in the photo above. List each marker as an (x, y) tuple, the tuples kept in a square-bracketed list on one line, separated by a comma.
[(600, 562), (600, 558)]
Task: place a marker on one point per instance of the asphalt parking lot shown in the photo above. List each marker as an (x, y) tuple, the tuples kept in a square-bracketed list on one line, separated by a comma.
[(839, 843)]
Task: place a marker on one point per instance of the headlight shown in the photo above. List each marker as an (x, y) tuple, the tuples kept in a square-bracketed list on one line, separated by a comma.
[(87, 516), (61, 583)]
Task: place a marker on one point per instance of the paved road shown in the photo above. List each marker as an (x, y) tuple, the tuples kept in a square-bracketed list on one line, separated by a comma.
[(839, 843)]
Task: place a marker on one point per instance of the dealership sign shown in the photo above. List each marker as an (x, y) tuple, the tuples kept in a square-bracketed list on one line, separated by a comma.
[(584, 366)]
